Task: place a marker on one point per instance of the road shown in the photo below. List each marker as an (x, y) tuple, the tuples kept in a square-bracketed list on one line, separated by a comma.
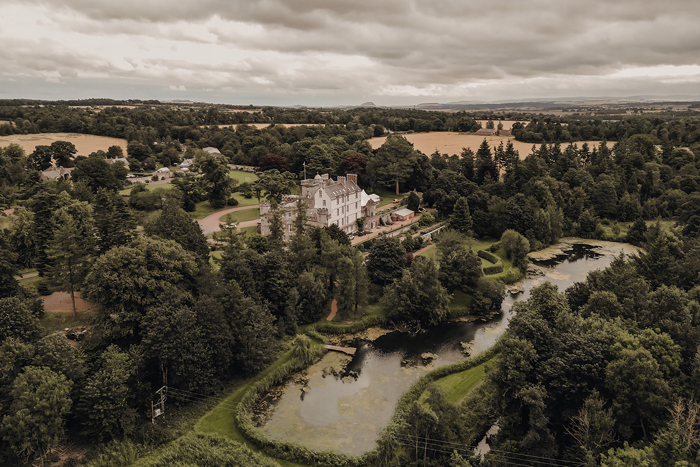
[(211, 223)]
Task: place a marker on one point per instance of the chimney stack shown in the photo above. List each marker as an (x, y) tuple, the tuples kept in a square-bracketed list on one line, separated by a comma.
[(352, 178)]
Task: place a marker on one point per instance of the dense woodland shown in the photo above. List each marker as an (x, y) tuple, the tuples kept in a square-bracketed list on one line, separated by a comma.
[(611, 363)]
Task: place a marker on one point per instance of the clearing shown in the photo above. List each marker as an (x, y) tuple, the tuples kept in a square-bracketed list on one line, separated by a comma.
[(450, 142), (85, 144)]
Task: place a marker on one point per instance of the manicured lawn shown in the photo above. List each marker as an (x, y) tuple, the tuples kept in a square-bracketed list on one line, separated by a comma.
[(242, 216), (243, 177), (212, 256), (29, 281), (431, 252), (243, 201), (458, 385), (387, 196), (250, 230), (460, 300), (203, 209), (149, 187)]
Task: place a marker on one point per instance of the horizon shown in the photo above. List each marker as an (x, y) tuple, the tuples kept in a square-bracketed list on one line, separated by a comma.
[(321, 54)]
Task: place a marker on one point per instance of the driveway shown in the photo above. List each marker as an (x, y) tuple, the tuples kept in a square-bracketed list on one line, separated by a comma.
[(211, 223)]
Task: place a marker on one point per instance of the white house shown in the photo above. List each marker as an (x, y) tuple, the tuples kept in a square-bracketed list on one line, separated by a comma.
[(340, 202)]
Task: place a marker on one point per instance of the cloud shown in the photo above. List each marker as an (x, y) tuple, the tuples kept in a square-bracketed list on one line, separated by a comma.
[(395, 48)]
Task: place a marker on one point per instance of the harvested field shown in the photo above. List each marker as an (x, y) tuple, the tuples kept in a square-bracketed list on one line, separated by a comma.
[(85, 144), (450, 142)]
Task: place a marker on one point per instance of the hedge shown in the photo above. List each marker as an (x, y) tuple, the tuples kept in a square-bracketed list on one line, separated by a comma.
[(493, 269), (488, 257), (357, 326)]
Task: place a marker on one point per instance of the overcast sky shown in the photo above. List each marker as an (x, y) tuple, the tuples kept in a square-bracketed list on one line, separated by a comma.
[(345, 52)]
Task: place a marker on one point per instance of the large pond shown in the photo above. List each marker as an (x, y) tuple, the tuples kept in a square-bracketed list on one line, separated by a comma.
[(328, 409)]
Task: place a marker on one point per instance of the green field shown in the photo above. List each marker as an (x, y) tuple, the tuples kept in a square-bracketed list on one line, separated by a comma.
[(249, 230), (149, 187), (242, 177), (242, 216), (457, 385)]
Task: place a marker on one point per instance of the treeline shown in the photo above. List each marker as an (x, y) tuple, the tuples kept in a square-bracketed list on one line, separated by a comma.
[(679, 131)]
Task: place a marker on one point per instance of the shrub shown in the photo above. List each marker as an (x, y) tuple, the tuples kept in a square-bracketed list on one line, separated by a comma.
[(489, 270), (512, 275), (488, 257), (232, 201), (154, 178)]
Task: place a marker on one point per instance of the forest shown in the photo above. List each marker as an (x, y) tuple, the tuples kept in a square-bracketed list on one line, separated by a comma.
[(602, 373)]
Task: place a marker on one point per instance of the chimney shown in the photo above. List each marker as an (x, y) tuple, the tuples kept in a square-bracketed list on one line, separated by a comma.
[(352, 178)]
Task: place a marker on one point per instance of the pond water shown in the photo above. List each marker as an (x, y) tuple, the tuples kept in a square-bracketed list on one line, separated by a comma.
[(329, 410)]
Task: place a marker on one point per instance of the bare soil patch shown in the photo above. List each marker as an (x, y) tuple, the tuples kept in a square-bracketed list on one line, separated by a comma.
[(450, 142), (61, 301), (85, 144)]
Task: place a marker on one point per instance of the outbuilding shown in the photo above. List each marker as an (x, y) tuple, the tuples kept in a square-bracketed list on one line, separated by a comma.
[(402, 214)]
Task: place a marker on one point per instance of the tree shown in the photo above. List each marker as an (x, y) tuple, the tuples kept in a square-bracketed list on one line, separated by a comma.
[(301, 349), (386, 260), (114, 222), (128, 280), (63, 152), (8, 270), (460, 268), (71, 247), (40, 159), (43, 205), (593, 428), (516, 247), (413, 201), (39, 402), (17, 320), (275, 184), (115, 152), (636, 234), (312, 302), (97, 173), (461, 220), (217, 184), (352, 163), (273, 161), (417, 297), (353, 284), (393, 161), (173, 223)]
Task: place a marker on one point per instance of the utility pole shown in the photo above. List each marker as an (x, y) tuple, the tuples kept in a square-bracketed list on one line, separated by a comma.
[(158, 407)]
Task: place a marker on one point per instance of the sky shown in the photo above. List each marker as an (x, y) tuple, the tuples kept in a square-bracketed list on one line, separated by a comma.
[(347, 52)]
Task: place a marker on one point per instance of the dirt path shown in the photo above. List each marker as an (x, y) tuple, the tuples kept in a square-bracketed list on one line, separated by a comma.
[(211, 223), (334, 310), (60, 301)]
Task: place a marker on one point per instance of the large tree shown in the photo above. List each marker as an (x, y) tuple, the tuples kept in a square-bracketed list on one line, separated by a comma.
[(274, 184), (173, 223), (115, 225), (353, 284), (70, 250), (393, 162), (128, 280), (386, 260), (218, 185), (39, 401), (461, 220), (417, 297)]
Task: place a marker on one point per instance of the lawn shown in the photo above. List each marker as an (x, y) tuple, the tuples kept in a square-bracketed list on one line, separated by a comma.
[(213, 256), (249, 230), (242, 216), (460, 301), (243, 177), (431, 253), (149, 187), (243, 201), (457, 385), (387, 196)]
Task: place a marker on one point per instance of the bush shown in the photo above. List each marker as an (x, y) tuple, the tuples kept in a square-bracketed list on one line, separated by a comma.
[(488, 257), (232, 201), (497, 269), (42, 286), (154, 178), (512, 275)]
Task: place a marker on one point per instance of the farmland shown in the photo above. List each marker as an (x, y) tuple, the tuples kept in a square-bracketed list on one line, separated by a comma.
[(85, 144), (450, 142)]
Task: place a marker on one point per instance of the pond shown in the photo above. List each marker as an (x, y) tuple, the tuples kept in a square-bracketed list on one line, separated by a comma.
[(343, 403)]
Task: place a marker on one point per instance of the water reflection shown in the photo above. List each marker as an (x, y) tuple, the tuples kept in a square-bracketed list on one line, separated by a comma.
[(346, 413)]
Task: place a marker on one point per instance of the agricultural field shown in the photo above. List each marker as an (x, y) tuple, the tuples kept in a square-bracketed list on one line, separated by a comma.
[(450, 142), (85, 144)]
